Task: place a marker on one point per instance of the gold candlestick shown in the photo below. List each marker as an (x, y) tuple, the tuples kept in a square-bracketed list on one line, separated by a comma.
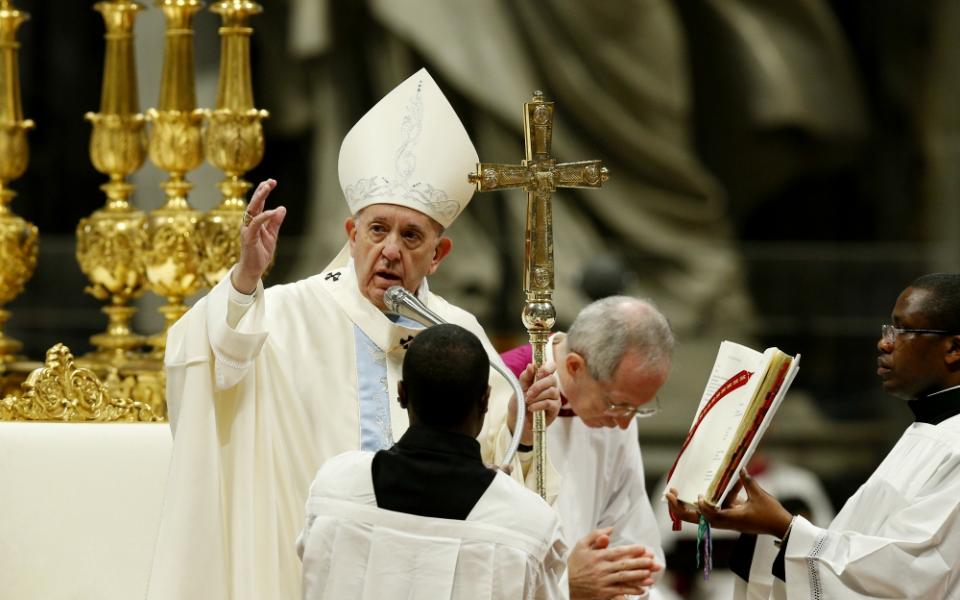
[(173, 260), (539, 175), (234, 138), (18, 238), (112, 241)]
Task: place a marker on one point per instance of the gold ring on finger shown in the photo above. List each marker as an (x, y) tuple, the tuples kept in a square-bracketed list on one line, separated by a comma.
[(247, 218)]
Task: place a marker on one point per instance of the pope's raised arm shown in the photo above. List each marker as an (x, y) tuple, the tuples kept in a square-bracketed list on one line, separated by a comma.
[(258, 239)]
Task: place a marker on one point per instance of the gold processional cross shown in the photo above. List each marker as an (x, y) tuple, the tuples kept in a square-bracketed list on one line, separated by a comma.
[(540, 175)]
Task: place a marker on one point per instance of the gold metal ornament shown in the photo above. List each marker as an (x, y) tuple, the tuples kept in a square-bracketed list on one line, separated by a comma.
[(18, 238), (112, 241), (234, 140), (61, 391), (172, 262), (539, 175)]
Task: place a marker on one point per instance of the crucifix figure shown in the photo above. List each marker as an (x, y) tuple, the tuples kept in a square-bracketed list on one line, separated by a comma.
[(540, 175)]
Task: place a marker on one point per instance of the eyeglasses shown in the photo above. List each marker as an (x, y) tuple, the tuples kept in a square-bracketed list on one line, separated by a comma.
[(889, 333), (628, 410)]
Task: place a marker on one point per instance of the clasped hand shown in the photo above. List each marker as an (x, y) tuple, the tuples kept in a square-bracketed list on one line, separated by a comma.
[(596, 571)]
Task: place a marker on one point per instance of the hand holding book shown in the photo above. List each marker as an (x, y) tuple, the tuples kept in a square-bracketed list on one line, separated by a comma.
[(743, 392), (760, 513)]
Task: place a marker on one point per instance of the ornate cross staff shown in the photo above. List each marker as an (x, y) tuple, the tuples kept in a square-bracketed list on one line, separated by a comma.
[(540, 175)]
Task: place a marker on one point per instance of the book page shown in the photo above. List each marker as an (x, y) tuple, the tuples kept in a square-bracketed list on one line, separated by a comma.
[(763, 425), (716, 425), (773, 373)]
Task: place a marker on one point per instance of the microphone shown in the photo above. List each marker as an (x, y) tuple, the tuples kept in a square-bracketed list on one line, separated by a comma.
[(401, 302), (398, 300)]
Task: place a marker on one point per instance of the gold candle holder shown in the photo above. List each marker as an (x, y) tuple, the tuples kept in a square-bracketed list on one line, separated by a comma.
[(18, 238), (112, 241), (172, 263), (234, 138)]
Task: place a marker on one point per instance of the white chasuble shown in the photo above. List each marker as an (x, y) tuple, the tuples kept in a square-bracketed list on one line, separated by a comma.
[(508, 548), (256, 409), (897, 537)]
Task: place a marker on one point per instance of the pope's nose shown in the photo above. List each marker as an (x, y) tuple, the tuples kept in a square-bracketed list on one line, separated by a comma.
[(391, 250)]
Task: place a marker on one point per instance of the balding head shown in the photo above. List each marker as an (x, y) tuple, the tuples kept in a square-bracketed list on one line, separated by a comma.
[(607, 330), (614, 360)]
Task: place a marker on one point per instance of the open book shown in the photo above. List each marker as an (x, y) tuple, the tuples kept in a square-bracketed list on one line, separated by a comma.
[(743, 393)]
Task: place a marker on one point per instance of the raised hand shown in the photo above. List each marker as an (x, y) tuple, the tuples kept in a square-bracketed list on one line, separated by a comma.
[(540, 394), (597, 571), (258, 239)]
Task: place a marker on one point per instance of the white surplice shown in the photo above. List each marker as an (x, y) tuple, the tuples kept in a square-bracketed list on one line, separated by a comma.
[(603, 483), (509, 547), (897, 537), (256, 409)]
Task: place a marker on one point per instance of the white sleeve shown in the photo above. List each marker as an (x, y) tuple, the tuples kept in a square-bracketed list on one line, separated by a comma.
[(628, 508), (553, 585), (236, 345), (915, 553), (239, 303)]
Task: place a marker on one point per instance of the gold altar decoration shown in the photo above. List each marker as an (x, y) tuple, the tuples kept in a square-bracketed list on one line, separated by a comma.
[(234, 138), (172, 261), (112, 241), (539, 175), (18, 238), (61, 391)]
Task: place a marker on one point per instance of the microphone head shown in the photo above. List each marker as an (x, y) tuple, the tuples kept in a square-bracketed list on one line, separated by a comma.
[(393, 297)]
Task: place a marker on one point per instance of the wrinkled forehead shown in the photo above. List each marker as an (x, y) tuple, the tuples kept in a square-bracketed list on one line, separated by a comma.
[(399, 215)]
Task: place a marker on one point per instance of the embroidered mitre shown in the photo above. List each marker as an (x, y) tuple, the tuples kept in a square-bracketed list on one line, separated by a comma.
[(411, 150)]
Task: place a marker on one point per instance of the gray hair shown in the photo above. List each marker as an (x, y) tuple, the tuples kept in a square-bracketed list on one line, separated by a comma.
[(606, 330)]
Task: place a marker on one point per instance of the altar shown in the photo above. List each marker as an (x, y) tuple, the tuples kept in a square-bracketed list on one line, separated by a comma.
[(79, 508), (85, 444)]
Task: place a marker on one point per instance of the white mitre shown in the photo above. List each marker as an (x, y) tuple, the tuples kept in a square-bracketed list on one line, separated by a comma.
[(411, 150)]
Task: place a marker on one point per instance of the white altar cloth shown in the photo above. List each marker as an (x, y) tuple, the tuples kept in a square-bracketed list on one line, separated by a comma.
[(79, 508)]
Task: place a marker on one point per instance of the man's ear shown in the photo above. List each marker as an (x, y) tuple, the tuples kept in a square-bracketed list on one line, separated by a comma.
[(350, 226), (444, 246), (952, 356), (402, 395), (575, 363), (485, 402)]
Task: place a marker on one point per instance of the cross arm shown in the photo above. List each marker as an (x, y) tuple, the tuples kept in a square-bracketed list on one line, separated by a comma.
[(582, 174), (494, 176)]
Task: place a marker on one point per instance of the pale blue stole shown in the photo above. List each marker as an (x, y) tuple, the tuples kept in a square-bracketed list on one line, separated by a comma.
[(372, 392)]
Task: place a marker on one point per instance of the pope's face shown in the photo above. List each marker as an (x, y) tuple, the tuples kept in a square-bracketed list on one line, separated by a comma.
[(633, 384), (394, 245)]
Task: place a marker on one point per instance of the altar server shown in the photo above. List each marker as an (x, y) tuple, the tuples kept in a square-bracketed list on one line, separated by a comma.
[(898, 536), (426, 519)]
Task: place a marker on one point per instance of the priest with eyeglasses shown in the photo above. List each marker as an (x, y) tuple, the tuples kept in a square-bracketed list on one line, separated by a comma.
[(610, 365), (898, 536)]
